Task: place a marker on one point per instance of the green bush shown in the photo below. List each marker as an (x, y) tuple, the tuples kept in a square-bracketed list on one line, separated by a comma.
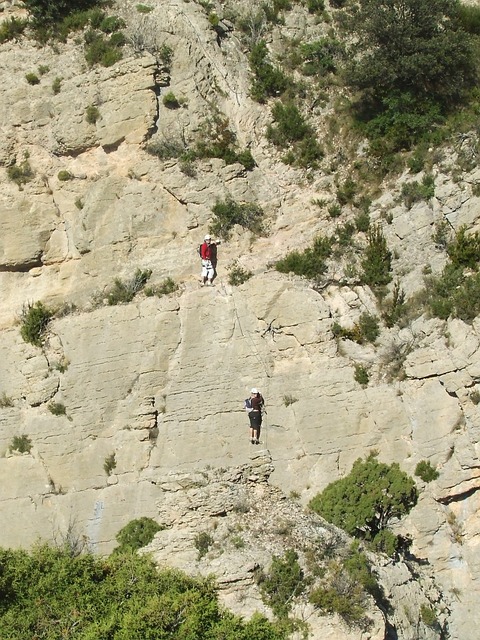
[(22, 444), (310, 263), (52, 11), (350, 606), (136, 534), (347, 192), (57, 408), (464, 251), (365, 330), (217, 140), (229, 213), (237, 275), (428, 616), (362, 221), (268, 80), (315, 6), (109, 464), (284, 582), (6, 401), (290, 125), (203, 541), (34, 322), (394, 308), (32, 78), (165, 288), (377, 261), (102, 50), (425, 471), (92, 114), (361, 375), (20, 173), (124, 292), (54, 593), (144, 8), (414, 191), (64, 175), (167, 148), (12, 28), (411, 64), (367, 499), (57, 85), (320, 57), (469, 16), (453, 294), (170, 100)]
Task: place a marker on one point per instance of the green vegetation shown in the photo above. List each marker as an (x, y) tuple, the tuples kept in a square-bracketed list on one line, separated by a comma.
[(123, 292), (32, 78), (291, 130), (414, 191), (109, 464), (64, 175), (268, 80), (203, 541), (103, 50), (288, 399), (165, 288), (54, 593), (57, 85), (6, 401), (170, 100), (412, 63), (20, 173), (425, 471), (456, 291), (136, 534), (53, 11), (57, 408), (394, 308), (229, 213), (22, 444), (310, 263), (217, 140), (143, 8), (12, 28), (365, 330), (34, 322), (92, 114), (377, 261), (361, 375), (237, 275), (284, 581), (428, 616), (363, 502)]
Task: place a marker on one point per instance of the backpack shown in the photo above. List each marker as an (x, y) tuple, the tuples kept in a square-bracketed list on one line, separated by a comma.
[(200, 250), (248, 402)]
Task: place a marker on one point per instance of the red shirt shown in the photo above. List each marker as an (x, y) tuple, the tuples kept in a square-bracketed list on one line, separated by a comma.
[(206, 251)]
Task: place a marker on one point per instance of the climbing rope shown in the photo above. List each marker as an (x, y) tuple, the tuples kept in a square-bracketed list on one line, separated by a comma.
[(256, 353)]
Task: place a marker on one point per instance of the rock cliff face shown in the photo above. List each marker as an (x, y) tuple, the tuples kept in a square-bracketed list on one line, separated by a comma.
[(157, 385)]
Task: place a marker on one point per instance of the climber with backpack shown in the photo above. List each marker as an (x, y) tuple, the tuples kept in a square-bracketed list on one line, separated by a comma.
[(254, 406), (208, 254)]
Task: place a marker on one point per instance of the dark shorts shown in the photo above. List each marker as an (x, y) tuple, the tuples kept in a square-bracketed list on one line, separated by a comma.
[(255, 419)]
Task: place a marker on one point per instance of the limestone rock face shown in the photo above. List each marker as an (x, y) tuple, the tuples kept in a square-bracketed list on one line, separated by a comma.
[(127, 406)]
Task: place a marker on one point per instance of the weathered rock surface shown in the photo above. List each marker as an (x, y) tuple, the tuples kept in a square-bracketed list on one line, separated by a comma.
[(159, 383)]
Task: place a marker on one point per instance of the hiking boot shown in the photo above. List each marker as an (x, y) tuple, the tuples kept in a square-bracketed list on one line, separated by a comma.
[(252, 441)]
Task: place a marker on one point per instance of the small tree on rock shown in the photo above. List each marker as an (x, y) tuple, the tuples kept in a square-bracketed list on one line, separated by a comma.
[(367, 499)]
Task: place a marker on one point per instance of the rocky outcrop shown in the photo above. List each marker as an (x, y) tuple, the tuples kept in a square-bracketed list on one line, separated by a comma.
[(157, 386)]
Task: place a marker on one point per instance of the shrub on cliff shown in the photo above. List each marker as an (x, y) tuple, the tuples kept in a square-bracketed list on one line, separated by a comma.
[(50, 593), (367, 499), (412, 63), (51, 11)]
